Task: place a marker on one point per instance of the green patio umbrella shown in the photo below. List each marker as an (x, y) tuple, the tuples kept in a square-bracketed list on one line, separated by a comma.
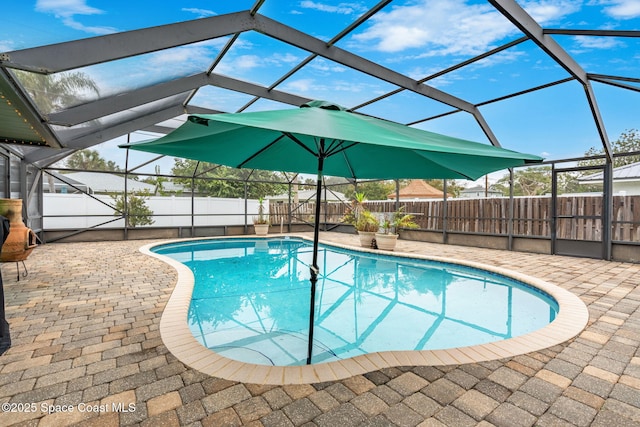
[(323, 138)]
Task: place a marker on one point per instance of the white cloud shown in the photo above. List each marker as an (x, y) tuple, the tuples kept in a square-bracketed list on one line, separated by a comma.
[(623, 9), (178, 56), (445, 27), (326, 89), (66, 7), (341, 8), (247, 62), (236, 64), (72, 23), (448, 26), (504, 57), (546, 12), (6, 45), (200, 13), (299, 85), (467, 73), (327, 67), (66, 10), (597, 42), (284, 58)]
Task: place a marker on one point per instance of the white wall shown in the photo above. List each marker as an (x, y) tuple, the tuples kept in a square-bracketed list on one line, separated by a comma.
[(628, 188), (79, 206)]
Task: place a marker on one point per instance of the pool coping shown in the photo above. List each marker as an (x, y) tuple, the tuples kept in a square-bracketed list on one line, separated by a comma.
[(174, 330)]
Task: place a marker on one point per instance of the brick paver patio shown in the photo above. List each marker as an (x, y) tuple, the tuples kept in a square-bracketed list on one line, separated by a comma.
[(86, 348)]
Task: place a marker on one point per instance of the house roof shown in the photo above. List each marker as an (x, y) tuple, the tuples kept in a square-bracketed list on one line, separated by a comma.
[(63, 181), (478, 188), (630, 172), (310, 195), (108, 182), (417, 189)]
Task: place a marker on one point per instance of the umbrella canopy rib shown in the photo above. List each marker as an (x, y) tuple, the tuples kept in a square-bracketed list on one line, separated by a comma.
[(301, 144), (257, 153), (347, 163), (340, 147)]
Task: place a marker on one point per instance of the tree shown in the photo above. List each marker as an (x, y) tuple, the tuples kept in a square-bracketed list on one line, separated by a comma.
[(531, 181), (222, 181), (55, 92), (380, 190), (158, 181), (137, 212), (453, 188), (627, 142), (372, 190), (90, 160)]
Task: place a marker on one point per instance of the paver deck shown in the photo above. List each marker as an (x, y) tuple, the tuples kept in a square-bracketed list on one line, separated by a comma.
[(87, 349)]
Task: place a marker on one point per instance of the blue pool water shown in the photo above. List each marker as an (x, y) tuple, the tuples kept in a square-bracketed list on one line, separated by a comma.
[(251, 301)]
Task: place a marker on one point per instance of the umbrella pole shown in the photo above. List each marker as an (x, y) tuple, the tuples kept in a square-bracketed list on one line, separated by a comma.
[(314, 265)]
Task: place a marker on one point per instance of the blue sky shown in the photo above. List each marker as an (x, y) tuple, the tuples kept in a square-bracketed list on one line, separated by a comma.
[(415, 37)]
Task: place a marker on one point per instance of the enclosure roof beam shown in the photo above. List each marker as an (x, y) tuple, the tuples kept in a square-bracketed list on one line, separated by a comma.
[(595, 110), (616, 84), (115, 104), (96, 50), (491, 101), (45, 157), (363, 18), (446, 71), (126, 126), (609, 77), (108, 133), (82, 53), (301, 40), (525, 23), (599, 33), (10, 89), (311, 44), (521, 19)]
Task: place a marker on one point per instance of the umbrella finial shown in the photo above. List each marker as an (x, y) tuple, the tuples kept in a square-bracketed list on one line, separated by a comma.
[(323, 104)]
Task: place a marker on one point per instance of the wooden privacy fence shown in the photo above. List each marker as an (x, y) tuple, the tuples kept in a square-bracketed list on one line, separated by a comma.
[(579, 217)]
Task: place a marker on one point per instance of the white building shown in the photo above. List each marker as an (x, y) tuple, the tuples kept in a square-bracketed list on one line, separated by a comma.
[(626, 179), (479, 192)]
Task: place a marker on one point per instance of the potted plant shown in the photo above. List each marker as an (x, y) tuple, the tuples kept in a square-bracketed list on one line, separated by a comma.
[(388, 238), (261, 222), (365, 223), (367, 226)]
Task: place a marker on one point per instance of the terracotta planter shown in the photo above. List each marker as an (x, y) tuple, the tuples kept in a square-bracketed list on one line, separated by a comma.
[(366, 237), (261, 229), (21, 240), (386, 242)]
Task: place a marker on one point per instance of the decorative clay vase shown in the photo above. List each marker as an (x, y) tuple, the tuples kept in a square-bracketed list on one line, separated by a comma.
[(21, 240)]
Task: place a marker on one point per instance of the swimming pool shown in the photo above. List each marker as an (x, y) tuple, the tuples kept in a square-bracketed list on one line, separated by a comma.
[(250, 301)]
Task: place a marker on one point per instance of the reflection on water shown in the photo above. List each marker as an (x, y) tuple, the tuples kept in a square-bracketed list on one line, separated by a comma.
[(251, 302)]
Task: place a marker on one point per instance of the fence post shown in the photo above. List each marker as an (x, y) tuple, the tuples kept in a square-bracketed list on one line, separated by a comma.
[(125, 196), (607, 208), (325, 205), (246, 209), (289, 206), (397, 195), (445, 212), (511, 212), (554, 208)]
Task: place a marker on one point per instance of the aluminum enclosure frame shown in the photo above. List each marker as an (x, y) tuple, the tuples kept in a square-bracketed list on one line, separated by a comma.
[(96, 50)]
